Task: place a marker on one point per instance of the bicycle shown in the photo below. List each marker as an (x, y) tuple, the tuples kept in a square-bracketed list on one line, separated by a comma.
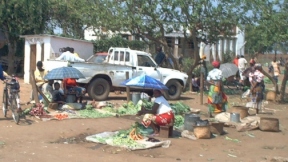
[(11, 99)]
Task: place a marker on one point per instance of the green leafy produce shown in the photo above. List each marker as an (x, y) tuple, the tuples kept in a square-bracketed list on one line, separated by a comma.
[(122, 138), (179, 108), (179, 121), (93, 114), (27, 111), (148, 105), (128, 109), (89, 107), (110, 109), (121, 110)]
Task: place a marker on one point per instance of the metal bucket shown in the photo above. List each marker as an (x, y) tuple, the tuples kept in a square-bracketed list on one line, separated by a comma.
[(235, 117), (135, 97), (190, 121)]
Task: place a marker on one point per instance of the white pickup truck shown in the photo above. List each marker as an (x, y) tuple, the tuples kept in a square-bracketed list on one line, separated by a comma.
[(102, 78)]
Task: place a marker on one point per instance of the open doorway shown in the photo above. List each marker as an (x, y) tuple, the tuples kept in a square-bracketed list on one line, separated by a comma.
[(32, 58)]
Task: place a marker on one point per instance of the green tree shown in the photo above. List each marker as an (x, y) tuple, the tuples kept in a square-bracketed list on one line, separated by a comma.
[(19, 17), (268, 30), (117, 41)]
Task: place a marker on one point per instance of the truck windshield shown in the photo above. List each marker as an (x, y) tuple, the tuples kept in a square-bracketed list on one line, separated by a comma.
[(144, 60)]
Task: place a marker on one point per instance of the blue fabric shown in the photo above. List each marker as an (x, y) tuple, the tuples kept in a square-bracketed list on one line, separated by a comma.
[(64, 72), (144, 81), (159, 58), (1, 73)]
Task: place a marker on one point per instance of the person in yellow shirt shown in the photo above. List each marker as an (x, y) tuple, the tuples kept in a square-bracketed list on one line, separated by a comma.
[(39, 74), (275, 70), (74, 53)]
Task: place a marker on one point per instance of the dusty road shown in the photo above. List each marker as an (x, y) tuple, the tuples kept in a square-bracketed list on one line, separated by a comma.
[(34, 140)]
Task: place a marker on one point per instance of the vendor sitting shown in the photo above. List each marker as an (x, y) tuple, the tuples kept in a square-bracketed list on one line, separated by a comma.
[(71, 86), (58, 95), (160, 115)]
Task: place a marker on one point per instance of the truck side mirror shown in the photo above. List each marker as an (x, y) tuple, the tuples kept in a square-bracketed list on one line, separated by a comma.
[(133, 68)]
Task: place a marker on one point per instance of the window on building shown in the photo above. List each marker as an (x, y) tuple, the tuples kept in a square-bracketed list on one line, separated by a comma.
[(127, 57), (190, 44)]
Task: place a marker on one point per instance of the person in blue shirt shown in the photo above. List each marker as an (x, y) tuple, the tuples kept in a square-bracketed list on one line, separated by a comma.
[(2, 77), (160, 57)]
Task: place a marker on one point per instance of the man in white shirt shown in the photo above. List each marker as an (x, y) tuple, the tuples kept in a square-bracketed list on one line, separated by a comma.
[(68, 56), (160, 115), (242, 62)]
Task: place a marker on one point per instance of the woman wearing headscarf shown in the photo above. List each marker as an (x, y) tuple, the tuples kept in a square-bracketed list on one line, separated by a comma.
[(217, 100), (257, 86)]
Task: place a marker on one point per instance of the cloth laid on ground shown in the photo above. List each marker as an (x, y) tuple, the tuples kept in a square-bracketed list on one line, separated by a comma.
[(72, 106), (246, 124), (143, 144)]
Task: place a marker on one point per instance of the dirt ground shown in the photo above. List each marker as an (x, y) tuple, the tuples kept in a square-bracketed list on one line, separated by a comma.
[(34, 140)]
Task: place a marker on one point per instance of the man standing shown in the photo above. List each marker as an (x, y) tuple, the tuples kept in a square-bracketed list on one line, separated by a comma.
[(242, 62), (39, 74), (69, 56), (275, 69), (160, 57)]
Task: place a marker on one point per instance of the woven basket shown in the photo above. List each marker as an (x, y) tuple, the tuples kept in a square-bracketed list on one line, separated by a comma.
[(269, 124), (202, 132), (243, 111), (217, 128)]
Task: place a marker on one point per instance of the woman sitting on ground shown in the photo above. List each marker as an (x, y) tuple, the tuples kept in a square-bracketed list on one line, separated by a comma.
[(160, 115)]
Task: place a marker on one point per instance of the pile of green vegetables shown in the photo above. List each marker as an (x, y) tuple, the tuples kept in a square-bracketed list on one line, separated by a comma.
[(86, 113), (122, 138), (126, 109), (179, 110)]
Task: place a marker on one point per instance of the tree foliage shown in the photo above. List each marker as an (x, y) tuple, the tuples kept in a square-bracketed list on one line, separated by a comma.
[(19, 17), (268, 28), (117, 41)]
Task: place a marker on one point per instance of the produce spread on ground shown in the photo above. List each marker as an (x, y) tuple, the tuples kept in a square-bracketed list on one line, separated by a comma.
[(107, 110)]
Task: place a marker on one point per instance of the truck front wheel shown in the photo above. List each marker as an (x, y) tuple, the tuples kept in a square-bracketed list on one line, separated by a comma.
[(174, 90), (99, 89)]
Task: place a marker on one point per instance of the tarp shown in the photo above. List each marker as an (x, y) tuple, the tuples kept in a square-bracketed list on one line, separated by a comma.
[(143, 144)]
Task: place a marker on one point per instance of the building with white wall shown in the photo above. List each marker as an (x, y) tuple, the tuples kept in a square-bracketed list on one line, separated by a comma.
[(179, 45), (43, 47)]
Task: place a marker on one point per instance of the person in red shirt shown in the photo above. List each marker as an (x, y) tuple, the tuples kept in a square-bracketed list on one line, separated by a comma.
[(71, 85), (235, 61)]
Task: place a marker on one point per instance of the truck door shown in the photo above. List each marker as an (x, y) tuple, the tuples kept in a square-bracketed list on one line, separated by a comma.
[(148, 67)]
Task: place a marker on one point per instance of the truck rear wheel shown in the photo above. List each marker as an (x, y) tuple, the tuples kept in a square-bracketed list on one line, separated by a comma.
[(174, 90), (99, 89)]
